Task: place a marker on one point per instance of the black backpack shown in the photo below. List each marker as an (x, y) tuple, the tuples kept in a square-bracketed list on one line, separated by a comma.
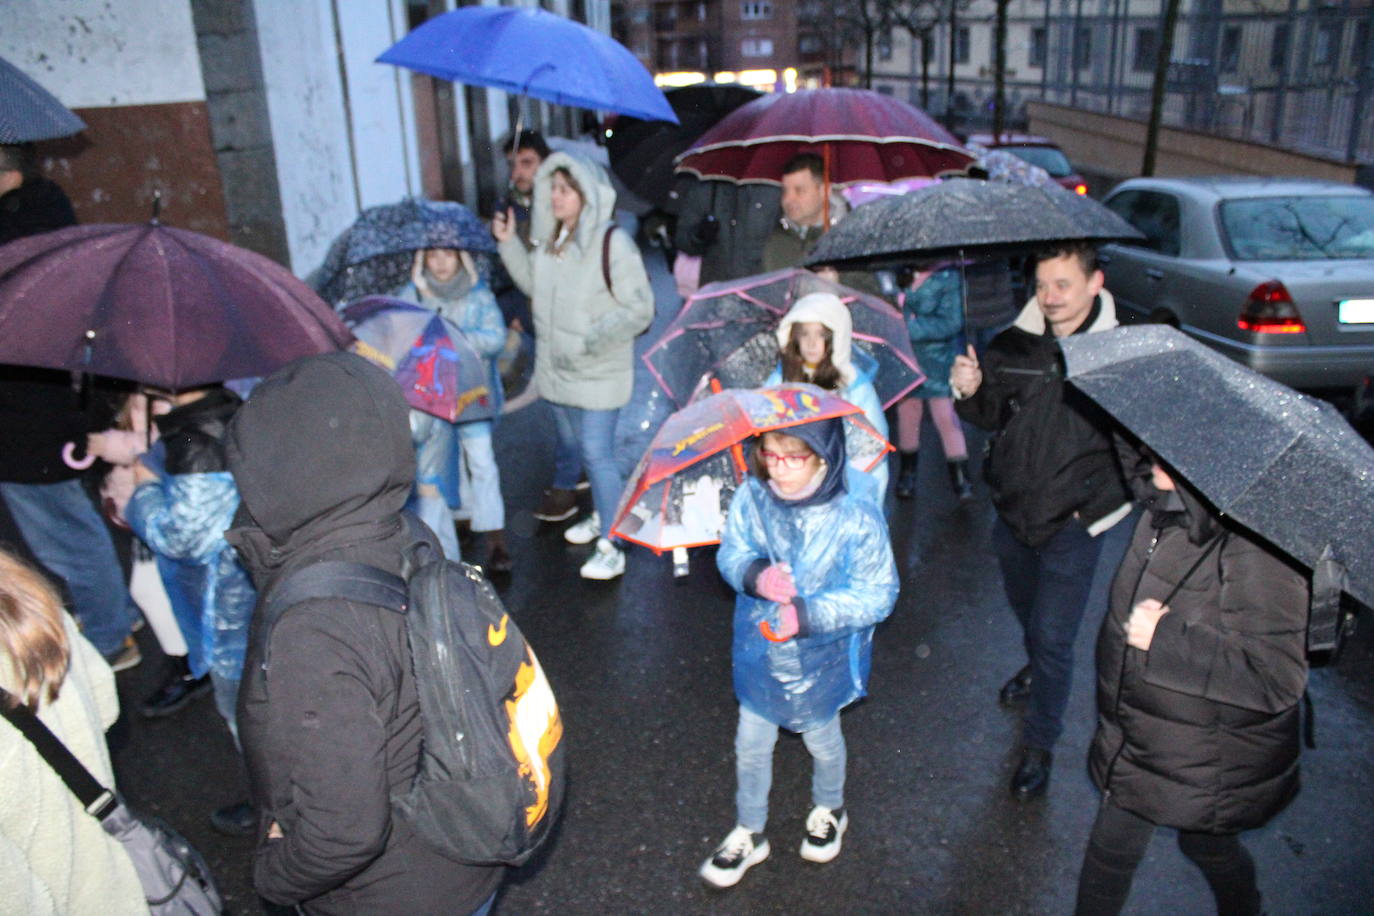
[(492, 768)]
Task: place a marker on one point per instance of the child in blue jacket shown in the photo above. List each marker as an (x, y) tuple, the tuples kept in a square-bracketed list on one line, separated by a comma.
[(813, 567)]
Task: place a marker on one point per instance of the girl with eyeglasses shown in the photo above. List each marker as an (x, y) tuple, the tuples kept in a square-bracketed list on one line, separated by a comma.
[(813, 567)]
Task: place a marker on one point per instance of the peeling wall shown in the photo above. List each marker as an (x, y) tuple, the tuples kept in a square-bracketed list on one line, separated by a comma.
[(132, 72)]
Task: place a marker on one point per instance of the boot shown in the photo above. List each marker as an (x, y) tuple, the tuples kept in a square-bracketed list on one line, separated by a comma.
[(498, 558), (958, 478), (906, 477), (178, 690)]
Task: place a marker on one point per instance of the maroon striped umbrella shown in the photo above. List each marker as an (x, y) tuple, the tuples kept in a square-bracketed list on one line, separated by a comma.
[(863, 135), (162, 306)]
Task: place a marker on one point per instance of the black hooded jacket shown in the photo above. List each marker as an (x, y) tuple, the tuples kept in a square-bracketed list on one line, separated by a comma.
[(1201, 731), (322, 457)]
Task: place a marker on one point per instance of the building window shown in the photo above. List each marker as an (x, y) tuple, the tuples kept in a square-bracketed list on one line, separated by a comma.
[(1278, 51), (756, 47), (961, 45), (1230, 49), (1146, 50), (810, 44), (1083, 47), (756, 9), (885, 89), (1038, 47), (1328, 43), (884, 44)]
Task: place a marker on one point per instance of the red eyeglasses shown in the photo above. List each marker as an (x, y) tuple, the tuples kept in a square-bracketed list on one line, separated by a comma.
[(792, 461)]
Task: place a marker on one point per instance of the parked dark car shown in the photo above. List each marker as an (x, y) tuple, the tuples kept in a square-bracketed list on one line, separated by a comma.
[(1277, 273), (1039, 151)]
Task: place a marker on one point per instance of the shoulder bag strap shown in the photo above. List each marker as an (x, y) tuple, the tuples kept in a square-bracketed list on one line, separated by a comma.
[(98, 800), (330, 579), (606, 257)]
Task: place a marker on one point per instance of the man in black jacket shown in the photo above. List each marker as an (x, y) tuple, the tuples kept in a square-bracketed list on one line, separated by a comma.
[(328, 712), (1055, 483)]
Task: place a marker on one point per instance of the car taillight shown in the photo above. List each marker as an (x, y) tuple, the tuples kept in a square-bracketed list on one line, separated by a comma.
[(1270, 310), (1080, 188)]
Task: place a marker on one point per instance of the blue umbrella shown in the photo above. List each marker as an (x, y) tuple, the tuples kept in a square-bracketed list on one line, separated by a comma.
[(532, 52), (375, 254), (28, 112)]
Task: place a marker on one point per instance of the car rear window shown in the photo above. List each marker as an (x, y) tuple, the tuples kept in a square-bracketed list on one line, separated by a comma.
[(1047, 157), (1299, 228)]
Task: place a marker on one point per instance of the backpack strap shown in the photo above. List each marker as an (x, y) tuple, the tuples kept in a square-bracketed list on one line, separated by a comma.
[(330, 579), (606, 256), (95, 798)]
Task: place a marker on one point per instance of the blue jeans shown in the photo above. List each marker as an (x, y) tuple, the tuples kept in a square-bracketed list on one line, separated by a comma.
[(754, 742), (1047, 587), (592, 434), (62, 528)]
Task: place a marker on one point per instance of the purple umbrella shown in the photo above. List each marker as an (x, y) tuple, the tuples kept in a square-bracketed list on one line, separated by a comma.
[(161, 306)]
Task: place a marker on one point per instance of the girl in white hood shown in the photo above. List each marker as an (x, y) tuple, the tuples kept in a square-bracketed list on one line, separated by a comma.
[(815, 340)]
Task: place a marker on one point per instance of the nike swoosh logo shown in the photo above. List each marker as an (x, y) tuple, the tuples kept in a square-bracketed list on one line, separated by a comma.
[(495, 636)]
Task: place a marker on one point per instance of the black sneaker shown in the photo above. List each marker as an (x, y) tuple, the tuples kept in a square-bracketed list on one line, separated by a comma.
[(740, 851), (824, 833), (179, 689), (556, 505), (235, 820)]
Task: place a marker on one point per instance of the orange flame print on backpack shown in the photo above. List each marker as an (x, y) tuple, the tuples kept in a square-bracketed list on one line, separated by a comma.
[(535, 730)]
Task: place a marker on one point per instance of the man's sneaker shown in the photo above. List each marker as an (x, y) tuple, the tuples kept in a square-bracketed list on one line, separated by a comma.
[(556, 505), (585, 531), (606, 562), (126, 656), (740, 852), (824, 831), (583, 484)]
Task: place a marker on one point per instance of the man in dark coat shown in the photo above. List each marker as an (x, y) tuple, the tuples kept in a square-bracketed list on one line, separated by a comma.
[(41, 412), (1201, 664), (331, 731), (1055, 483)]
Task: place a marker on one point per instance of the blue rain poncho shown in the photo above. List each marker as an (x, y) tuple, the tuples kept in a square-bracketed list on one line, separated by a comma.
[(183, 517), (841, 558)]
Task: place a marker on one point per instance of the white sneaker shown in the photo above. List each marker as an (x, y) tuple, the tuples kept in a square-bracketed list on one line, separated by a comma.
[(824, 831), (585, 531), (606, 562), (740, 851)]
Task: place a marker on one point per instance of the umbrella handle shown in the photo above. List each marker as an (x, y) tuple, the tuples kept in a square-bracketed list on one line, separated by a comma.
[(69, 458), (770, 634)]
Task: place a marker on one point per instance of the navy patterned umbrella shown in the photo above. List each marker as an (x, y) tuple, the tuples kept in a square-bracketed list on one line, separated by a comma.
[(28, 112), (374, 255)]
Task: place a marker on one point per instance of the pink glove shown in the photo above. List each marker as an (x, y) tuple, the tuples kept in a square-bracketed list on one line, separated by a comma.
[(787, 625), (775, 583)]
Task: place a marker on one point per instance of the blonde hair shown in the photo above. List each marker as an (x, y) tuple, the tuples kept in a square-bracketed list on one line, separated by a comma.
[(31, 630)]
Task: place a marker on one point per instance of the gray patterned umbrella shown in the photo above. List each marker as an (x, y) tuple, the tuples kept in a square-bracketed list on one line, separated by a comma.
[(374, 255), (965, 216), (28, 112), (1282, 464)]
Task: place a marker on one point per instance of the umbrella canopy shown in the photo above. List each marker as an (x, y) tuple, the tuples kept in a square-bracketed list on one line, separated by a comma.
[(375, 254), (157, 305), (870, 137), (1284, 465), (532, 52), (726, 331), (681, 489), (966, 216), (439, 371), (642, 152), (28, 112)]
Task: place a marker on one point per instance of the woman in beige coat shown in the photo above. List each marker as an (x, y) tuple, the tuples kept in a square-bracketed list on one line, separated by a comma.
[(590, 297), (54, 857)]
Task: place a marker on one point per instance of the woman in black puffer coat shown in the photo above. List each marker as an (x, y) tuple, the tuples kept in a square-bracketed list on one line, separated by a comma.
[(1201, 663)]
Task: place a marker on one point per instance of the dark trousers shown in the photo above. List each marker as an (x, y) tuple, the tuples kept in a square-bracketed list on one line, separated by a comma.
[(1047, 587), (1117, 844)]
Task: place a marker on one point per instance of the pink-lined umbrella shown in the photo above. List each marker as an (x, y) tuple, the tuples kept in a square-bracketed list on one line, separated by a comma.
[(726, 332), (863, 136), (162, 306)]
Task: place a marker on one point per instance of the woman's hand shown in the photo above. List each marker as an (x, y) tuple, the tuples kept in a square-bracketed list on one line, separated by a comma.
[(503, 225), (142, 474), (1140, 626)]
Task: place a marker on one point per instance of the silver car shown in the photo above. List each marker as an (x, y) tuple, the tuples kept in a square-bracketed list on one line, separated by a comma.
[(1277, 273)]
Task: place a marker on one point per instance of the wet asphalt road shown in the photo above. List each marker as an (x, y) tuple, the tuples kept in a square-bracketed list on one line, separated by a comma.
[(641, 669)]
